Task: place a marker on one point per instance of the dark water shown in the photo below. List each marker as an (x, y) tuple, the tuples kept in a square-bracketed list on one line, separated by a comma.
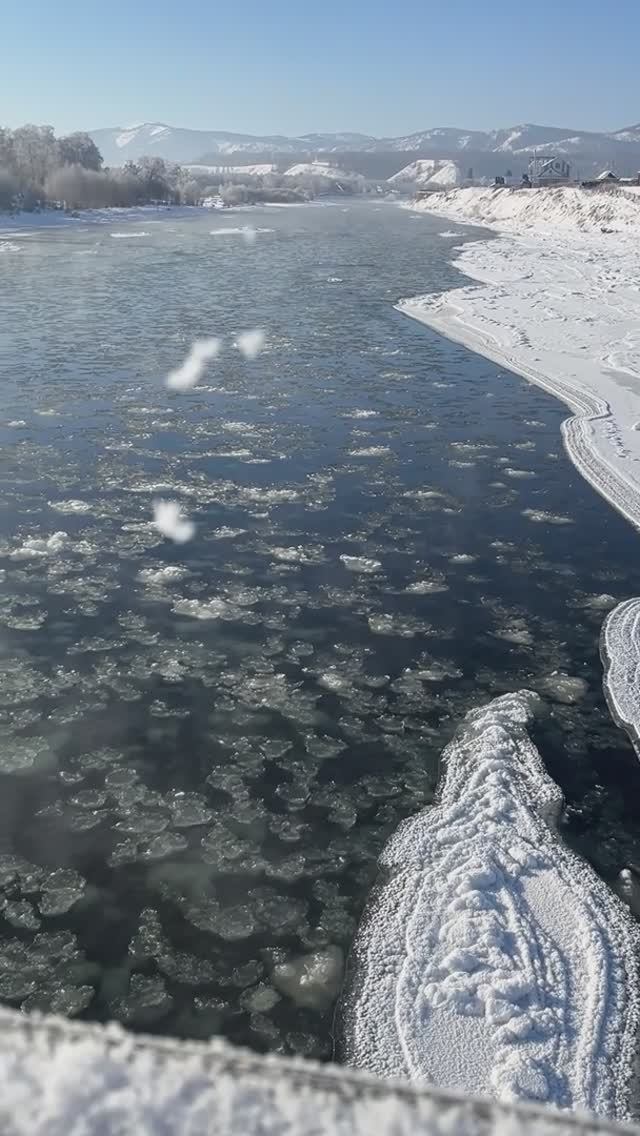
[(198, 769)]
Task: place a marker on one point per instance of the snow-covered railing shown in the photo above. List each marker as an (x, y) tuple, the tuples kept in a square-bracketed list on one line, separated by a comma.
[(61, 1078)]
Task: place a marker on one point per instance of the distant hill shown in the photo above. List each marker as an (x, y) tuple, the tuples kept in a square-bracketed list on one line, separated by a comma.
[(618, 149), (179, 144)]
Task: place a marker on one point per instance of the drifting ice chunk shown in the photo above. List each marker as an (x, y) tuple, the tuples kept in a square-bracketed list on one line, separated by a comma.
[(311, 980), (563, 688), (364, 564), (492, 959)]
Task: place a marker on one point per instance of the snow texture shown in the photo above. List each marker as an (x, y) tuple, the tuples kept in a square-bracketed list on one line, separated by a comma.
[(620, 650), (491, 959), (59, 1078), (559, 303), (171, 522), (188, 373)]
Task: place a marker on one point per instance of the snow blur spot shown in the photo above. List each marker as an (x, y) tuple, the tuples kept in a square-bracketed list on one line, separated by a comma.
[(188, 374), (171, 522), (250, 343)]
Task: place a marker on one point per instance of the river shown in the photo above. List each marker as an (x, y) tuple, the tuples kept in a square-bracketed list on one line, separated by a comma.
[(204, 746)]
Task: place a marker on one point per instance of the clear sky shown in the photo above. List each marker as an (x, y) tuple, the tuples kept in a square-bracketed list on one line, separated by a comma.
[(291, 66)]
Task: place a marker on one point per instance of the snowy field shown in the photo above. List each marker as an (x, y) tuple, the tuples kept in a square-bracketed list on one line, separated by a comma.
[(493, 960), (557, 301)]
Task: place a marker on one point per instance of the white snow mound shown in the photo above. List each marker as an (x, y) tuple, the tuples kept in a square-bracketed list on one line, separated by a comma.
[(492, 959)]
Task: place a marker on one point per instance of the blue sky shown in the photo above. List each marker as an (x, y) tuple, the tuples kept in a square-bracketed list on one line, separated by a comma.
[(292, 66)]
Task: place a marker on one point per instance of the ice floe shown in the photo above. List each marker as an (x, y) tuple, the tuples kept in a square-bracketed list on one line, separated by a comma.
[(620, 650), (365, 564)]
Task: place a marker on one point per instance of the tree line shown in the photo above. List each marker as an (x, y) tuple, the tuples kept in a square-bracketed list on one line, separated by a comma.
[(38, 171)]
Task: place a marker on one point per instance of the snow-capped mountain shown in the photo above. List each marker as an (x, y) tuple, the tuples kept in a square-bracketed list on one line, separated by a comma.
[(511, 140), (179, 144), (629, 133)]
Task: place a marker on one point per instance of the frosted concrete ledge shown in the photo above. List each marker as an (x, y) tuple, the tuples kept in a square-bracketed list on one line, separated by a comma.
[(620, 651), (559, 304), (59, 1078), (491, 959)]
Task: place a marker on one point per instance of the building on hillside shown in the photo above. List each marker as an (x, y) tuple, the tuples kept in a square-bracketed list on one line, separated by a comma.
[(547, 169), (609, 180), (607, 175)]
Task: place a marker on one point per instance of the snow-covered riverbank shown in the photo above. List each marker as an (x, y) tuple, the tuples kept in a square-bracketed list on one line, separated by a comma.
[(557, 301), (492, 959)]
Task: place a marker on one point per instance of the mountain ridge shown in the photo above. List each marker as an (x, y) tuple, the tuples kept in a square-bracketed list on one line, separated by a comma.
[(182, 144)]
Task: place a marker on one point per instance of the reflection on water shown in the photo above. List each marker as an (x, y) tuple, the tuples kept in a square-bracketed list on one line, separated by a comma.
[(204, 746)]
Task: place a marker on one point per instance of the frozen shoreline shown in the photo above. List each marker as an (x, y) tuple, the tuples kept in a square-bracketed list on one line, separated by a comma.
[(559, 304), (492, 959)]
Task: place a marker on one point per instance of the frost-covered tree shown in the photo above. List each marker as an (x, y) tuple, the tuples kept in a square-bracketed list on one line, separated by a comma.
[(79, 149), (34, 153), (8, 189)]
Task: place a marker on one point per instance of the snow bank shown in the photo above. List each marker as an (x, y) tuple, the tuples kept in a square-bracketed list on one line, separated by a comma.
[(59, 1077), (492, 959), (560, 305), (620, 650)]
